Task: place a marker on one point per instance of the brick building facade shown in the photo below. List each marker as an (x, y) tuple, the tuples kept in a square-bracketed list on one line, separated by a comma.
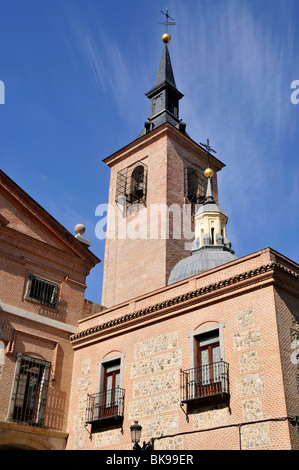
[(210, 361), (250, 305), (42, 283), (166, 155)]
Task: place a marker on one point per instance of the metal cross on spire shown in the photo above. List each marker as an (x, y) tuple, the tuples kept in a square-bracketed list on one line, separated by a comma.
[(167, 22), (209, 149)]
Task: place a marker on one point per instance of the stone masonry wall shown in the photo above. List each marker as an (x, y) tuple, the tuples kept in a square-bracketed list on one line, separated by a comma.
[(250, 383), (155, 352), (154, 372)]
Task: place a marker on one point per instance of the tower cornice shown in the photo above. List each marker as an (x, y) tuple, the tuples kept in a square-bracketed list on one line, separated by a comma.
[(165, 130)]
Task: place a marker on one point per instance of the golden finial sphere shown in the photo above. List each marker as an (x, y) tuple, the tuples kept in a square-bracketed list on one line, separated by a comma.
[(166, 38), (208, 173)]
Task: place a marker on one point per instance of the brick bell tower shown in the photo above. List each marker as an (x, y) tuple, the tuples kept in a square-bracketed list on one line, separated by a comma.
[(156, 183)]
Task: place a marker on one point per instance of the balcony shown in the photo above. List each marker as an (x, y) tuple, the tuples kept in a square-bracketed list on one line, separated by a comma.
[(105, 407), (208, 384)]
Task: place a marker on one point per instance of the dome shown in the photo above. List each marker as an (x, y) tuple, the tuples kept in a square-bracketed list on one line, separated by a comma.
[(202, 260), (209, 207), (210, 247)]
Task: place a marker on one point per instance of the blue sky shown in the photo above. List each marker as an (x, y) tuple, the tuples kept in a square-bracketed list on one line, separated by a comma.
[(75, 73)]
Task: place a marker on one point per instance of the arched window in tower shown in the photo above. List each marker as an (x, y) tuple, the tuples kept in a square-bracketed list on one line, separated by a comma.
[(192, 185), (195, 187), (131, 186)]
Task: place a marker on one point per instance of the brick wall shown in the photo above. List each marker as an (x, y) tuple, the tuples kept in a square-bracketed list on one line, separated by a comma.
[(32, 243), (165, 153), (157, 348)]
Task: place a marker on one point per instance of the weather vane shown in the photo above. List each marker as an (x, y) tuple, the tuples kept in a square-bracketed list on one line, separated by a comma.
[(166, 37), (208, 172)]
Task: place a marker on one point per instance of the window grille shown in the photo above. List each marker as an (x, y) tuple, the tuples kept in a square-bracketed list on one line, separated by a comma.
[(42, 291), (30, 396), (4, 330), (131, 185), (195, 186)]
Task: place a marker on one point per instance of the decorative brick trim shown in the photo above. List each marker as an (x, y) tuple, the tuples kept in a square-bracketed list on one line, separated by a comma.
[(10, 348), (185, 297)]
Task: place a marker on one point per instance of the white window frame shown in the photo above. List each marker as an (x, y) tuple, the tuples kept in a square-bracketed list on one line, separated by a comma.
[(207, 329), (101, 371)]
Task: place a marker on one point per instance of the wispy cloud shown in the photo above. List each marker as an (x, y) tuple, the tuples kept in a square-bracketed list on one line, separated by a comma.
[(107, 65), (234, 66), (236, 69), (237, 64), (95, 60), (96, 49)]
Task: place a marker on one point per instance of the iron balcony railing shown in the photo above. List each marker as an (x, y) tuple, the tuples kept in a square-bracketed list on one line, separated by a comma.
[(205, 381), (106, 404)]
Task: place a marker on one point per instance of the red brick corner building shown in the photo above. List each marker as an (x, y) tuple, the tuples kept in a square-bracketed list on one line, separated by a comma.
[(42, 284), (196, 345)]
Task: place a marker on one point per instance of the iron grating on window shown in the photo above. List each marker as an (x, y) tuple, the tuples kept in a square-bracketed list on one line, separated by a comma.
[(131, 185), (195, 185), (30, 397), (42, 291)]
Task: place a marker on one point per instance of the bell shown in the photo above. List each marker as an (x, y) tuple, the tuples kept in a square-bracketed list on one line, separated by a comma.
[(139, 189)]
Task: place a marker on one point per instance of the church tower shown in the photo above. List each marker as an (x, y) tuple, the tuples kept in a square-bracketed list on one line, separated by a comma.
[(157, 183), (210, 248)]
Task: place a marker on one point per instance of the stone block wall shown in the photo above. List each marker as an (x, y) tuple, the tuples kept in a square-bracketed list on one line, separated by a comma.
[(159, 347), (156, 393)]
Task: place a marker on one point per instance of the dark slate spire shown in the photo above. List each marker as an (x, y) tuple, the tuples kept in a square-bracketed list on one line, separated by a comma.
[(165, 72), (164, 98), (209, 195)]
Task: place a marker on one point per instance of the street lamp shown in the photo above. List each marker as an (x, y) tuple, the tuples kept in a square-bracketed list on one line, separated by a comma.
[(136, 435)]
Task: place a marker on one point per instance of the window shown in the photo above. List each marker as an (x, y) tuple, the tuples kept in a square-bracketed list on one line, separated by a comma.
[(111, 390), (212, 236), (195, 187), (137, 183), (109, 401), (131, 187), (208, 375), (2, 352), (157, 104), (42, 291), (30, 394), (192, 185)]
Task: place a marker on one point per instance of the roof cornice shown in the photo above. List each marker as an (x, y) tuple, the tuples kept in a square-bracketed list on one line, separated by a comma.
[(45, 221), (181, 302), (161, 86), (157, 133)]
